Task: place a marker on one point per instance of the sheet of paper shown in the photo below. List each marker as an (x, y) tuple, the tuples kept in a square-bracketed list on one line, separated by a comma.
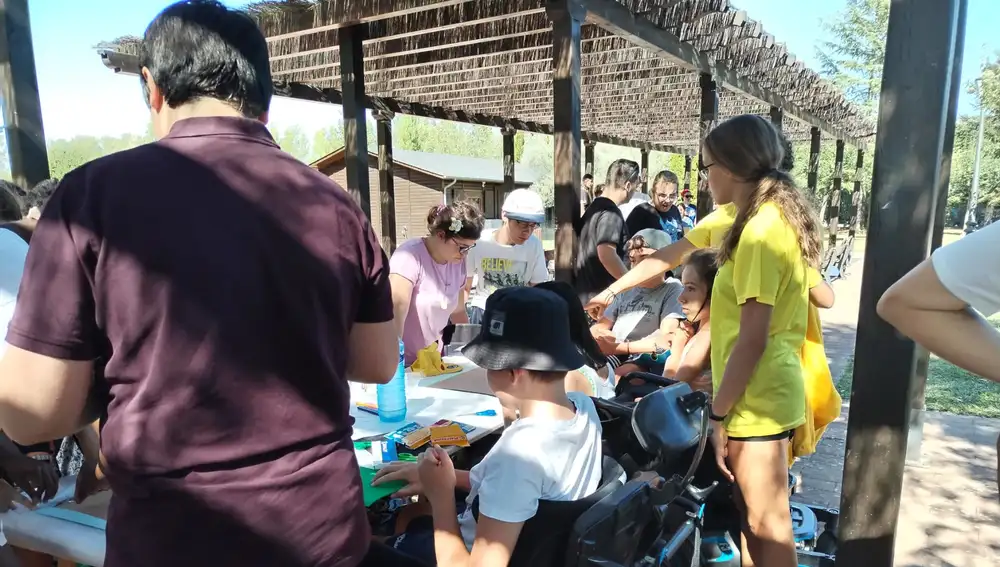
[(625, 324), (374, 493)]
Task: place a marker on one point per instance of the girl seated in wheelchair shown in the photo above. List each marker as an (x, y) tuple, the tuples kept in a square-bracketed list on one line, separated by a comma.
[(691, 347), (552, 452)]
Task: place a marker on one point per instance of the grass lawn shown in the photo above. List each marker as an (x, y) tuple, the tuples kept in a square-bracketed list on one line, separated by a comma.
[(949, 389)]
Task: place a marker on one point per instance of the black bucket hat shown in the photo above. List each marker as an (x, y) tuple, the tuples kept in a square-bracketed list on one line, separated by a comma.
[(526, 328)]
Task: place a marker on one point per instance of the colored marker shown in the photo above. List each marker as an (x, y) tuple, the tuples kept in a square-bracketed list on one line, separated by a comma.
[(368, 408), (487, 413)]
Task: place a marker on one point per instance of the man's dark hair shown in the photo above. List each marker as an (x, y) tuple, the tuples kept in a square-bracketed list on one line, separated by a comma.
[(11, 201), (588, 176), (201, 49), (40, 193)]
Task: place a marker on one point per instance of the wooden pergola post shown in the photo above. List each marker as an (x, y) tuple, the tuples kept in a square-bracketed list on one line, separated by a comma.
[(709, 115), (352, 77), (913, 114), (508, 159), (644, 168), (833, 212), (918, 398), (22, 111), (856, 196), (812, 178), (588, 158), (567, 17), (777, 117), (386, 182), (687, 173)]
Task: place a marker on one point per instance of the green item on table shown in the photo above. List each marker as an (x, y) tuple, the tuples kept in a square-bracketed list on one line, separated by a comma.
[(362, 445), (375, 493), (407, 457)]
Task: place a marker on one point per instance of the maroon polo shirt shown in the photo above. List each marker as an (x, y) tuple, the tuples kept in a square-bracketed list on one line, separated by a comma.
[(220, 277)]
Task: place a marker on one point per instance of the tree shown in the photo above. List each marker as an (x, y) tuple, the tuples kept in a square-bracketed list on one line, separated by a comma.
[(294, 141), (326, 140), (853, 58), (518, 146)]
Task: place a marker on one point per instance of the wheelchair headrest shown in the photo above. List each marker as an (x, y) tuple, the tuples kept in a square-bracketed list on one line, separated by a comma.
[(662, 424)]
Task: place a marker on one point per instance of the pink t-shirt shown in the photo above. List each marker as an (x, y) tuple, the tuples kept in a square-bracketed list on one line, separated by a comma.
[(436, 291)]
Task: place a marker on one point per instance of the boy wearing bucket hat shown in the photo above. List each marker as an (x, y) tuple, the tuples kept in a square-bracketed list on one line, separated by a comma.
[(509, 256), (552, 452)]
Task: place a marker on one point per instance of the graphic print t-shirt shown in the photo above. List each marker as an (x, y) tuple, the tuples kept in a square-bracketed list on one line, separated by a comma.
[(656, 305), (496, 266)]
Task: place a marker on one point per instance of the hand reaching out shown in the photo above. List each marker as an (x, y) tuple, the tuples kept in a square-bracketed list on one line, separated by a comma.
[(437, 473)]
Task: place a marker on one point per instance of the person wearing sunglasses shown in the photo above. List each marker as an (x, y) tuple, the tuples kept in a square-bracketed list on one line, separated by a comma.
[(428, 276), (600, 256)]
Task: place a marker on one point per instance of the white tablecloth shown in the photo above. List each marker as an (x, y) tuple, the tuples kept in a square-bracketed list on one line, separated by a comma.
[(83, 544)]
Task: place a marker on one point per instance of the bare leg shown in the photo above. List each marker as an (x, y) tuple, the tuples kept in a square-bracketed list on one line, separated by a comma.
[(761, 470)]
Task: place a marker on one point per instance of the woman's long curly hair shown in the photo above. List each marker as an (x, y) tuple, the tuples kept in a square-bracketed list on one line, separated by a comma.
[(750, 148)]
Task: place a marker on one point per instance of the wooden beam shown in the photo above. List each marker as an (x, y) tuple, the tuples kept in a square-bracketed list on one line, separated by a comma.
[(449, 17), (622, 22), (386, 181), (777, 117), (508, 158), (687, 173), (336, 14), (644, 169), (22, 111), (355, 125), (833, 213), (709, 116), (417, 52), (856, 196), (812, 179), (566, 51), (915, 101)]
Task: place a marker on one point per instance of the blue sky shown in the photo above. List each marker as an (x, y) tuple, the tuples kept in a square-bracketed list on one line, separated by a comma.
[(80, 96)]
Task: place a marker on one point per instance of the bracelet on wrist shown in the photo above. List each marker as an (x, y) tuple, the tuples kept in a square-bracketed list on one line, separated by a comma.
[(716, 418)]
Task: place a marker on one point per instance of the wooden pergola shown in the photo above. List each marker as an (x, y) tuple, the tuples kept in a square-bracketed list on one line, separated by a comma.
[(649, 74), (588, 71)]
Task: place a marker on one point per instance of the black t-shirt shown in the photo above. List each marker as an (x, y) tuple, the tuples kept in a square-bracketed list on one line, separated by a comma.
[(646, 216), (601, 224)]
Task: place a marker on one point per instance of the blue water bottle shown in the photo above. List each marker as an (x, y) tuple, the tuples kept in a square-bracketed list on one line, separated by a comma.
[(392, 396)]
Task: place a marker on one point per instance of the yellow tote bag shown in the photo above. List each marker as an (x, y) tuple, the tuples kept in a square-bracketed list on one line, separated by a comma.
[(823, 402)]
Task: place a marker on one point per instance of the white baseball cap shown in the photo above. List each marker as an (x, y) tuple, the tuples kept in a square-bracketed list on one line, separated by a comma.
[(524, 205)]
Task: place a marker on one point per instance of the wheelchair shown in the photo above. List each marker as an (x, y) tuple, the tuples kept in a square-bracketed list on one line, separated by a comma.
[(646, 520), (814, 527)]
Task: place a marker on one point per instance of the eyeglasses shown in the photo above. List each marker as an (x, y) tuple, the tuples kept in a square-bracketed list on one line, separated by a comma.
[(464, 248), (531, 226), (704, 168)]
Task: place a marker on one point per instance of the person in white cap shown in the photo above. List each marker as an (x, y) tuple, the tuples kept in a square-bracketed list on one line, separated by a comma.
[(509, 256)]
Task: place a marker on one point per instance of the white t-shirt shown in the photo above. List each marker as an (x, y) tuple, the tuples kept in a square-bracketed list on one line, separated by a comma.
[(536, 460), (970, 269), (13, 252), (497, 266), (637, 199)]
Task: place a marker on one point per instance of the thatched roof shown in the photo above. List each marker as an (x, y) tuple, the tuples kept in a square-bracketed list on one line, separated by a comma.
[(487, 61)]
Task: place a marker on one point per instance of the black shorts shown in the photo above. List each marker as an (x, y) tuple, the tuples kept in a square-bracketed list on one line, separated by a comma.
[(417, 541), (775, 437)]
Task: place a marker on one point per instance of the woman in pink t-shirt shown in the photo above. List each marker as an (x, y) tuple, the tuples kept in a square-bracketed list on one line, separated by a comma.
[(427, 276)]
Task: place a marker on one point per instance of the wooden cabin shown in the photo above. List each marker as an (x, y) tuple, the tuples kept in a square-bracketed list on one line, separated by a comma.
[(422, 180)]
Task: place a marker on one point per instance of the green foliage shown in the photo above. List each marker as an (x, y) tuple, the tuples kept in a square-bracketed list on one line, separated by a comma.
[(949, 389), (67, 155), (294, 141), (854, 55)]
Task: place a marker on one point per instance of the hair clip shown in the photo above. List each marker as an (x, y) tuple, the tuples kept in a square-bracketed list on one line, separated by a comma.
[(455, 226)]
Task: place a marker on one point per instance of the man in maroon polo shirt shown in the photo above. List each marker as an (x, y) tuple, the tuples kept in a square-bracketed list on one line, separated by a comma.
[(232, 291)]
